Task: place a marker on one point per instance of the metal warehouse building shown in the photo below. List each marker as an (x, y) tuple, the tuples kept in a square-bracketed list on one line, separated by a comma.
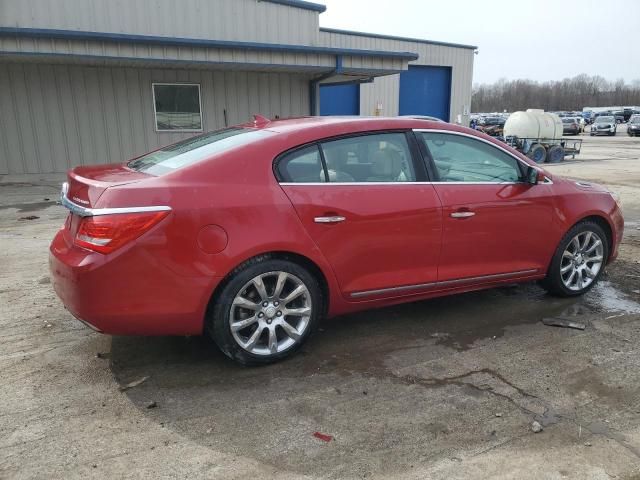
[(101, 81)]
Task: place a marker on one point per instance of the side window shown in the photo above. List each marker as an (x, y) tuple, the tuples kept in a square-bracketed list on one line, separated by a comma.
[(463, 159), (383, 157), (301, 166)]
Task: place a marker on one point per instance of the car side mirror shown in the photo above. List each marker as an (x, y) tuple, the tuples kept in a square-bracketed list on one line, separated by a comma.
[(534, 176)]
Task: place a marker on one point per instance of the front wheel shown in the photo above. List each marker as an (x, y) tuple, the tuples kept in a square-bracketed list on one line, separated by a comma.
[(537, 153), (578, 261), (555, 154), (266, 311)]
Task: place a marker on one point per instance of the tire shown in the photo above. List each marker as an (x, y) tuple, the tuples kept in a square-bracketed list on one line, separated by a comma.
[(559, 283), (555, 154), (228, 308), (537, 153)]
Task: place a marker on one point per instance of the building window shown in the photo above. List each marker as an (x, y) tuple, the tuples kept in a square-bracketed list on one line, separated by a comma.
[(177, 107)]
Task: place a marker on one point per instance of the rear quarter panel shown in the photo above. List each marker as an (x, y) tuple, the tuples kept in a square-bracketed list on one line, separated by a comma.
[(237, 192)]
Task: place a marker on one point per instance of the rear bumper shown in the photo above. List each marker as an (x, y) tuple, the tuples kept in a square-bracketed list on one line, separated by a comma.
[(129, 292)]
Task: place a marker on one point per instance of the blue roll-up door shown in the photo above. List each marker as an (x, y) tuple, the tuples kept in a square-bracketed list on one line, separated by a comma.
[(340, 99), (425, 91)]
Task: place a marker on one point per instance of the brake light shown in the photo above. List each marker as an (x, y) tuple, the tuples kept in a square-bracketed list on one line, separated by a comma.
[(106, 233)]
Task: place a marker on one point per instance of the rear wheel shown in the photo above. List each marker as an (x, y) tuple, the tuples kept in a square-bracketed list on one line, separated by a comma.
[(266, 311), (578, 262)]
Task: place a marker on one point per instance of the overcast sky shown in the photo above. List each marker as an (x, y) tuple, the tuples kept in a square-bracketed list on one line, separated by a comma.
[(536, 39)]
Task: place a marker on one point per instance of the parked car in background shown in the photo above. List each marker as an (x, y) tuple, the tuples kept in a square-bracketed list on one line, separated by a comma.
[(605, 124), (493, 126), (570, 126), (633, 126), (620, 117), (256, 232)]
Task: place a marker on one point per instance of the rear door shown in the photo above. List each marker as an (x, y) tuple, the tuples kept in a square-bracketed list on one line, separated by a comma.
[(365, 202), (495, 226)]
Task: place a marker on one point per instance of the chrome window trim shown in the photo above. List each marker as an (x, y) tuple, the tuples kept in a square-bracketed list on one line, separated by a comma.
[(95, 212), (420, 286), (547, 180), (352, 184)]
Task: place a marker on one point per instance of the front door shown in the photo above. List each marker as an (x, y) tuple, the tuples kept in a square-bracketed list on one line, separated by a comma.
[(494, 224), (362, 201)]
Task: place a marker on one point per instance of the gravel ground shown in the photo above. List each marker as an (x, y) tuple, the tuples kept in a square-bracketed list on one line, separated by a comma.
[(440, 389)]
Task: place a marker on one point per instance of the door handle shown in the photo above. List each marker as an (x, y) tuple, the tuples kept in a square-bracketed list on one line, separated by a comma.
[(462, 214), (331, 219)]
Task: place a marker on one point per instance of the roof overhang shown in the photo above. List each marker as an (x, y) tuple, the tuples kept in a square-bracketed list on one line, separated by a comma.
[(79, 47), (52, 34)]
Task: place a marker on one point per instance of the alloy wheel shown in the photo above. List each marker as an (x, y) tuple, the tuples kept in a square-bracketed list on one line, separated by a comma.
[(581, 261), (270, 313)]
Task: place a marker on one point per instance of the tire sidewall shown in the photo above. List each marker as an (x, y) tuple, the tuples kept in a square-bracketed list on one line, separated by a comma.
[(218, 317), (554, 282)]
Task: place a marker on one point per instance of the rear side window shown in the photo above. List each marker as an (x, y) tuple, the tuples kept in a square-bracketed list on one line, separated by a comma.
[(464, 159), (383, 157), (301, 166), (195, 149)]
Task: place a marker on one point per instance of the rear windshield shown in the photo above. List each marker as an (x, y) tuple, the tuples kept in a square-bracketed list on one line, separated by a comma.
[(568, 120), (604, 119), (195, 149), (634, 120)]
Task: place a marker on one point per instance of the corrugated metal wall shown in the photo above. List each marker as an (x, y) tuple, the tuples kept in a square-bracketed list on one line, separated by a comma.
[(386, 90), (54, 117), (246, 20)]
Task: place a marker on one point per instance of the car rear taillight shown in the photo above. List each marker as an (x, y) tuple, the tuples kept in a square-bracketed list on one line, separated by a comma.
[(106, 233)]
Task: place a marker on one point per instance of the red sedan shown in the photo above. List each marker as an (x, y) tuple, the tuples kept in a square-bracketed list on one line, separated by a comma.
[(256, 232)]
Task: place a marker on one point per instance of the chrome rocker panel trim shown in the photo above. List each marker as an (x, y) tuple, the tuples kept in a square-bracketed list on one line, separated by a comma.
[(446, 283)]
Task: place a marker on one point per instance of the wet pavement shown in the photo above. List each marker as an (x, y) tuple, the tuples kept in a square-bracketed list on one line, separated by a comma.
[(371, 381)]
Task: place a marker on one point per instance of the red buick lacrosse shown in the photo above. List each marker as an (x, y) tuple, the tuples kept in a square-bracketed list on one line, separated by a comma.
[(254, 233)]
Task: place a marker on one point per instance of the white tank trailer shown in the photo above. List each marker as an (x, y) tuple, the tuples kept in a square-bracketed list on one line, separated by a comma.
[(538, 134)]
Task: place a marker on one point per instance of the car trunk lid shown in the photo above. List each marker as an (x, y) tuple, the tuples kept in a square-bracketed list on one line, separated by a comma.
[(87, 184)]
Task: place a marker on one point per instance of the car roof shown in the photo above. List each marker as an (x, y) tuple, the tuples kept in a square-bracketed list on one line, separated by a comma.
[(302, 130), (357, 123)]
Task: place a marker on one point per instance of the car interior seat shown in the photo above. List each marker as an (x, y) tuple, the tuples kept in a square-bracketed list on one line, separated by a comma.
[(387, 166)]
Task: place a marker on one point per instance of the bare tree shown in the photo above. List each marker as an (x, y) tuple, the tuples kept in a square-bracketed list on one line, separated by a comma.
[(567, 94)]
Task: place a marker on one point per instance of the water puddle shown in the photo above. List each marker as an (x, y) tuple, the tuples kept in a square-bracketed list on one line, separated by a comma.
[(604, 297)]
